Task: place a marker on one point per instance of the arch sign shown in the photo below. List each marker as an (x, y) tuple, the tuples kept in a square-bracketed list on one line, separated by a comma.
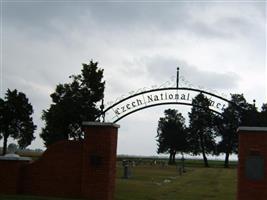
[(161, 96)]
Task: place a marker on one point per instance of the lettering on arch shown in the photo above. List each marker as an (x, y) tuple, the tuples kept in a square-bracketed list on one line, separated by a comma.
[(162, 96)]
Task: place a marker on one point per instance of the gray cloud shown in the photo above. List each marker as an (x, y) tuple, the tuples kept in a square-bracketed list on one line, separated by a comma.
[(218, 46), (201, 19), (161, 67)]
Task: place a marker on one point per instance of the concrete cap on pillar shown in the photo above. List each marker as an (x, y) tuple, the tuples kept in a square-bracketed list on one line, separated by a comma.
[(252, 128), (100, 124)]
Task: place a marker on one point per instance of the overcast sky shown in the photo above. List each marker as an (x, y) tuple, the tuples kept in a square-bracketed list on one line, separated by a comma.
[(218, 46)]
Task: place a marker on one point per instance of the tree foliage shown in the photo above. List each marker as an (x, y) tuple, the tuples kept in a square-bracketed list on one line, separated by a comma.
[(238, 113), (201, 128), (74, 103), (209, 133), (263, 115), (171, 134), (15, 119)]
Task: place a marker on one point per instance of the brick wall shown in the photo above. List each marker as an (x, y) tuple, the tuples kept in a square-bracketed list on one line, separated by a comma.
[(10, 171), (78, 169), (57, 173), (252, 142)]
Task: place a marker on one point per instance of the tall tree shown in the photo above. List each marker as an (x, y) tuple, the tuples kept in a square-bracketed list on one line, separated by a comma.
[(73, 103), (171, 134), (201, 128), (239, 112), (264, 107), (263, 115), (15, 119)]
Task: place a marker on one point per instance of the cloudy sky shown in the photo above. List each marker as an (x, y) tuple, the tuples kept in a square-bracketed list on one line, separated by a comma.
[(219, 46)]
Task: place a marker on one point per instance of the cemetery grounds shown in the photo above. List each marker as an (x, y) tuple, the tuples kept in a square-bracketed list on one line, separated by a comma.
[(152, 180)]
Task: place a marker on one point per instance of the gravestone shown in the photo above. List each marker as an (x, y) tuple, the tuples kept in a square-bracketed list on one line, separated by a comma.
[(126, 169)]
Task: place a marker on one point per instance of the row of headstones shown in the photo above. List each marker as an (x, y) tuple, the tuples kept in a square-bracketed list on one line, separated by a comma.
[(134, 163), (129, 164), (155, 162), (161, 163)]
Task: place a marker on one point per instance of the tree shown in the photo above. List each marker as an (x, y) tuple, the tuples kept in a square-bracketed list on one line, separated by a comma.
[(171, 134), (201, 129), (264, 107), (73, 103), (15, 119), (238, 113), (263, 115)]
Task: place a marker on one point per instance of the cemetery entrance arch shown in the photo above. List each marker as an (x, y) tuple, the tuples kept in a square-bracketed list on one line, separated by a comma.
[(162, 96)]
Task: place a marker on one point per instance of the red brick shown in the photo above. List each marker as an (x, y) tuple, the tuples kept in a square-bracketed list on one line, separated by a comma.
[(249, 142), (65, 168)]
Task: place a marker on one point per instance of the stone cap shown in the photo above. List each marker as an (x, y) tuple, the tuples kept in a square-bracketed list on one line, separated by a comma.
[(252, 129), (15, 158), (100, 124)]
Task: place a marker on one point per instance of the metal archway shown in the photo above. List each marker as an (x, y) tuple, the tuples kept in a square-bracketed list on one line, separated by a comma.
[(162, 96)]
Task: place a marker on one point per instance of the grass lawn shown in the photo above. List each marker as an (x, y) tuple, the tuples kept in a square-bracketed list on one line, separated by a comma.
[(156, 183), (11, 197)]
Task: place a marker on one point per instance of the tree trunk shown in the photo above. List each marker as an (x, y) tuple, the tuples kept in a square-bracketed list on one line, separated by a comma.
[(226, 161), (227, 151), (4, 146), (227, 154), (203, 153), (172, 157), (205, 159), (183, 164)]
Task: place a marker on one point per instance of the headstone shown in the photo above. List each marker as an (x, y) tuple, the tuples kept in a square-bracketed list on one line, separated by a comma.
[(126, 169)]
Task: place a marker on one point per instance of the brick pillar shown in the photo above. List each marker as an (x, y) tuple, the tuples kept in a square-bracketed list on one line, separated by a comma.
[(252, 164), (99, 160)]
